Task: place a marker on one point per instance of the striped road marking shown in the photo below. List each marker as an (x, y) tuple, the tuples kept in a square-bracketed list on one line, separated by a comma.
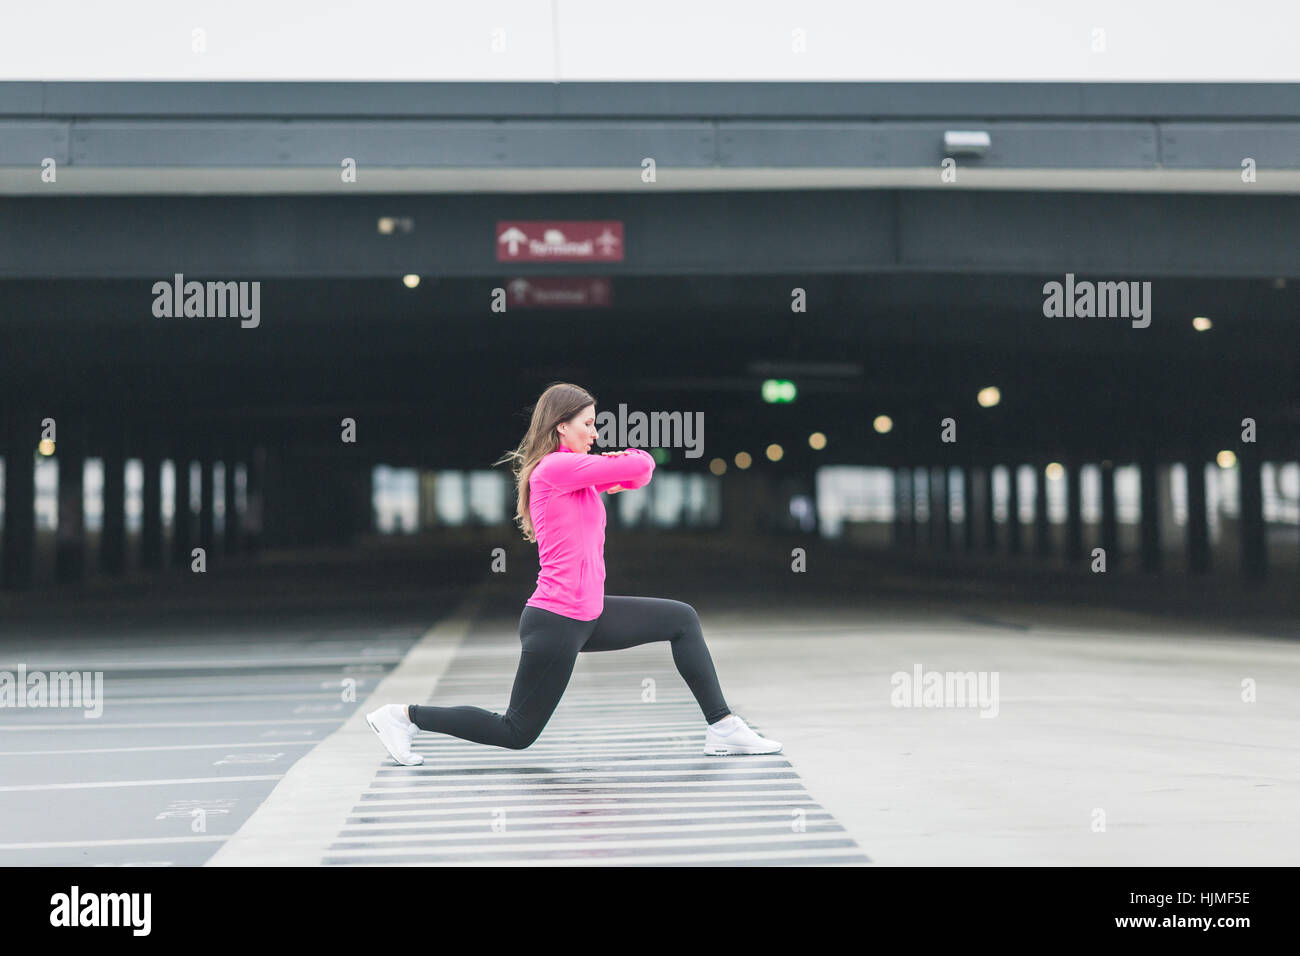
[(611, 781)]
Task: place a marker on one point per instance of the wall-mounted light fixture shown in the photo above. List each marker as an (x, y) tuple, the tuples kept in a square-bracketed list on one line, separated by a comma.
[(966, 142)]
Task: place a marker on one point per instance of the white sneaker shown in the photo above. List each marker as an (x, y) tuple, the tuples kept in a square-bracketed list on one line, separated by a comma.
[(736, 739), (395, 731)]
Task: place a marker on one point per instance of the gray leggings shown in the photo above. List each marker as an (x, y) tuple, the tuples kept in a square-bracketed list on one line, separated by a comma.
[(550, 644)]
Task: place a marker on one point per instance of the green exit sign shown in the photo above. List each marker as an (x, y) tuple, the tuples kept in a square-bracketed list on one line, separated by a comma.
[(778, 390)]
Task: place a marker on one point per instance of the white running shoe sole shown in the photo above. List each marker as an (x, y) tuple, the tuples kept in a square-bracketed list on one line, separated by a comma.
[(727, 750), (414, 760), (743, 741)]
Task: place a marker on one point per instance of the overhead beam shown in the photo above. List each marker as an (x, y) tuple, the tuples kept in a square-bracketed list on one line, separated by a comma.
[(1096, 236)]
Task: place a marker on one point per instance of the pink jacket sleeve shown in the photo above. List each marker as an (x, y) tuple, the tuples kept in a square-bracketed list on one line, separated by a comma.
[(569, 472)]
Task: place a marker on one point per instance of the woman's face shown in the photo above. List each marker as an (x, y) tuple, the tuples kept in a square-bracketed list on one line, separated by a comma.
[(579, 432)]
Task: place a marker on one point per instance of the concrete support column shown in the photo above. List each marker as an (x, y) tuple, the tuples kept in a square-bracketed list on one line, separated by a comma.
[(921, 494), (427, 483), (354, 496), (1198, 531), (151, 536), (808, 486), (1014, 538), (1254, 557), (21, 434), (182, 517), (932, 494), (230, 535), (920, 490), (939, 510), (1074, 512), (1150, 505), (251, 528), (112, 538), (902, 507), (1109, 521), (986, 507), (471, 520), (70, 538), (207, 503), (1042, 523), (968, 507)]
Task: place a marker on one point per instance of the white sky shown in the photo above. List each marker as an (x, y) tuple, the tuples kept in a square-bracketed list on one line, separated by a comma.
[(706, 40)]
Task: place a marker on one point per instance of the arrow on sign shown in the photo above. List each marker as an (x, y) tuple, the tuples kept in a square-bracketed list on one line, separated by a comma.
[(607, 242), (512, 237)]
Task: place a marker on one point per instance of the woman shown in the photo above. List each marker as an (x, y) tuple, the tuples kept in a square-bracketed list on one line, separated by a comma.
[(559, 508)]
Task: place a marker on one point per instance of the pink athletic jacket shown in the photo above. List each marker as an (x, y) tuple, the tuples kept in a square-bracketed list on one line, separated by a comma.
[(569, 522)]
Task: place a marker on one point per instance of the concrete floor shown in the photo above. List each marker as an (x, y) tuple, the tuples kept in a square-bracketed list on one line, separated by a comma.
[(1117, 736), (1114, 743)]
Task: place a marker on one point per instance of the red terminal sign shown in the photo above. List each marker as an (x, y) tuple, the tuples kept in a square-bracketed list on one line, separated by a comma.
[(547, 292), (546, 240)]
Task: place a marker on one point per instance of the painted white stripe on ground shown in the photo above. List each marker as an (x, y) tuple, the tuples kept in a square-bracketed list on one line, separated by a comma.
[(181, 664), (854, 857), (81, 844), (616, 837), (577, 847), (604, 752), (101, 724), (588, 761), (553, 774), (545, 801), (223, 698), (179, 781), (703, 805), (609, 787), (529, 816), (131, 750)]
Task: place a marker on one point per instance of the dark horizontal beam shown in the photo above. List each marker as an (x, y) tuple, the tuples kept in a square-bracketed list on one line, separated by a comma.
[(1236, 101), (566, 143), (1106, 236)]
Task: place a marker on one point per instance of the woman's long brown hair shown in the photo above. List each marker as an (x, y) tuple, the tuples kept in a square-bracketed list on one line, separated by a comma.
[(559, 403)]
